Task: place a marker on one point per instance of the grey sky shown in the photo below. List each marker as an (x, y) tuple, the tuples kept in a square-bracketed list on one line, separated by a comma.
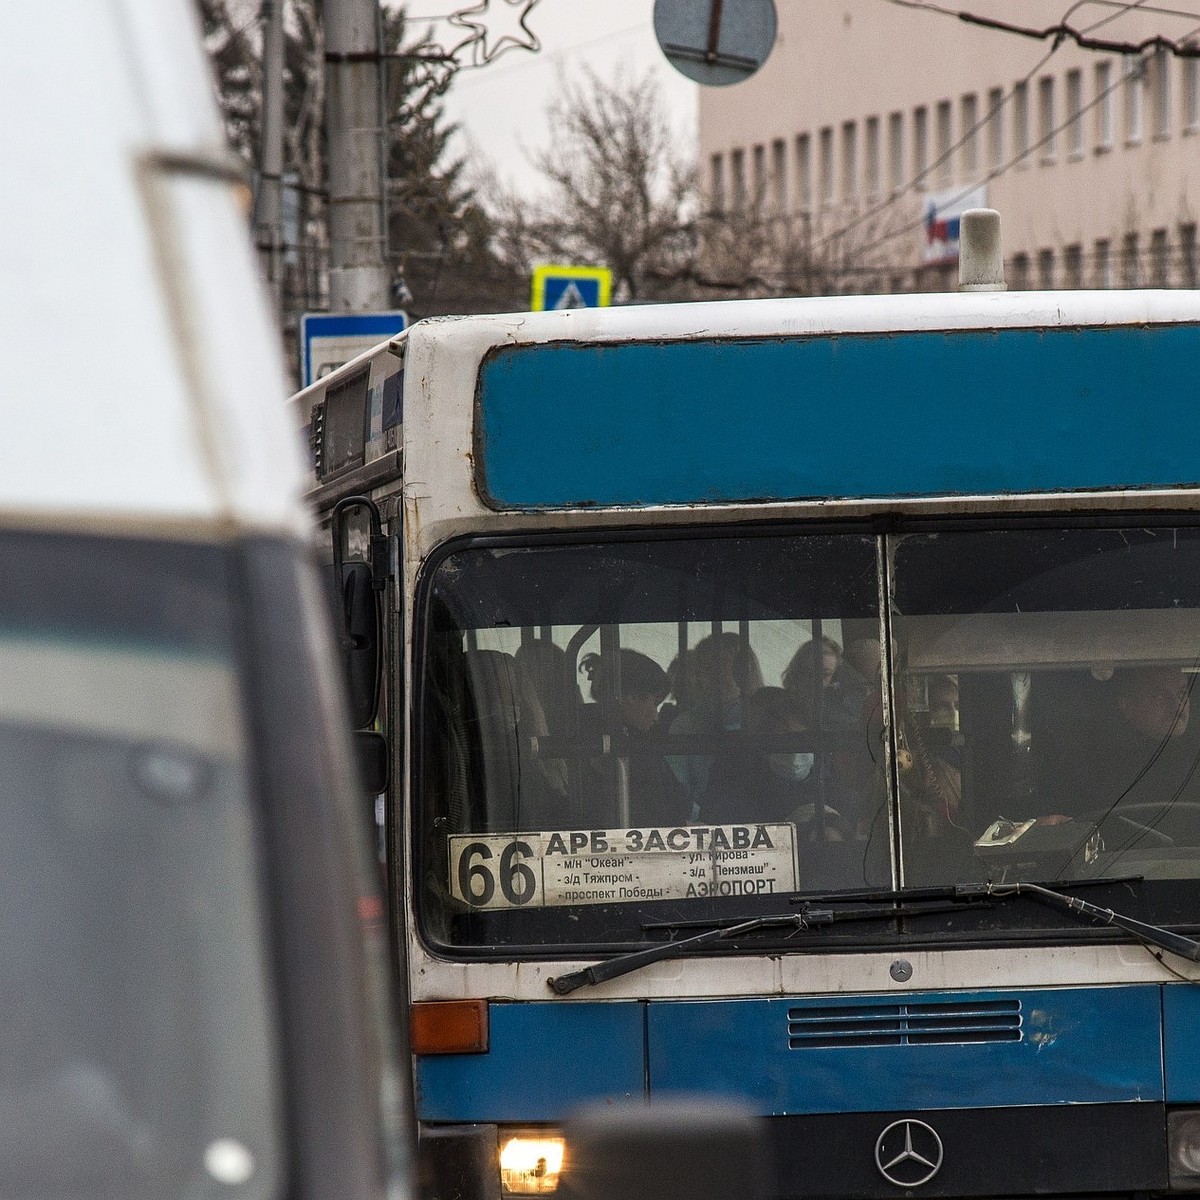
[(501, 106)]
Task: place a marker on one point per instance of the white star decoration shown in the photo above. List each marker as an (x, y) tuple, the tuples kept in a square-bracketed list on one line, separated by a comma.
[(495, 26)]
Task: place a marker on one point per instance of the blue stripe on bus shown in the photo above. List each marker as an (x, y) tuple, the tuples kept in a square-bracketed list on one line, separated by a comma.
[(853, 415), (1077, 1046), (544, 1059), (1181, 1045)]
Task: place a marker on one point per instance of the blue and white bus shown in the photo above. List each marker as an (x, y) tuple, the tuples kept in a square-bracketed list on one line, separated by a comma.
[(789, 702)]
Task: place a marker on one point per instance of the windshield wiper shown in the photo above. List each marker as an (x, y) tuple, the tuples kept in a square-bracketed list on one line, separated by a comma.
[(880, 911), (625, 963), (960, 897), (1155, 935), (806, 919), (950, 891)]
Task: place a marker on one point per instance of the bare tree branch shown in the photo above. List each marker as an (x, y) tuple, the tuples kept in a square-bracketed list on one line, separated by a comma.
[(619, 193)]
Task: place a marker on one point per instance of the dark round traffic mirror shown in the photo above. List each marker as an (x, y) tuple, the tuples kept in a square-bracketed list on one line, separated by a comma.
[(715, 42)]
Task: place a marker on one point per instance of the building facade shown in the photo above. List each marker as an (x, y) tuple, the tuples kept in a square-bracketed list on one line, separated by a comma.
[(873, 124)]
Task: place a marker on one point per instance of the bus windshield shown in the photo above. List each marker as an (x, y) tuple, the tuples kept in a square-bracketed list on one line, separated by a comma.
[(686, 727), (139, 1032)]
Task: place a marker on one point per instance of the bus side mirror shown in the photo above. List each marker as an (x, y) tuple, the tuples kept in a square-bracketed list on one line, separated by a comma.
[(359, 611), (371, 750), (673, 1150), (358, 585)]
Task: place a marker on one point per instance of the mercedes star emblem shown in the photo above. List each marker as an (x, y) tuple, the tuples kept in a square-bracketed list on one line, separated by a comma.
[(908, 1153)]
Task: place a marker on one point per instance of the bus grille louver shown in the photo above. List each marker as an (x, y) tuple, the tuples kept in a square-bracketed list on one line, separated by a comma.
[(904, 1024)]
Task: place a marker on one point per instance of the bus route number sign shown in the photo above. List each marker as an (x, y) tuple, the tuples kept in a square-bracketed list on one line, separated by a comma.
[(621, 866)]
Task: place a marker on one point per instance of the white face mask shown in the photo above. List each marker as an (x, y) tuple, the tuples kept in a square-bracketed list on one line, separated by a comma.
[(793, 767)]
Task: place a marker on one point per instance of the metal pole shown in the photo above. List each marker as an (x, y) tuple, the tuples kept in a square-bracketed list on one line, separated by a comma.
[(358, 273), (268, 217)]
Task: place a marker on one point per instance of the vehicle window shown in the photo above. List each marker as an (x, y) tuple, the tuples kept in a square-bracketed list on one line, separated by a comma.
[(135, 1009), (1044, 682), (665, 722), (660, 731)]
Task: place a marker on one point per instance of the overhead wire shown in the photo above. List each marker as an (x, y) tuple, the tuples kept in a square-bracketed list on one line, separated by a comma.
[(1062, 32), (1121, 5), (1190, 14)]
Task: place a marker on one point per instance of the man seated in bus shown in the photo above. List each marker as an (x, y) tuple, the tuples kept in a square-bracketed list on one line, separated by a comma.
[(1141, 751), (627, 704)]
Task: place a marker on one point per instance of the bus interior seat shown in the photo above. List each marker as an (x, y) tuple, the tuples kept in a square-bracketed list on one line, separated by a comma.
[(505, 716)]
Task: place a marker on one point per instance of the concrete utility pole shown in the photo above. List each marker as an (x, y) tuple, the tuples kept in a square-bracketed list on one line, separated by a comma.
[(268, 215), (358, 274)]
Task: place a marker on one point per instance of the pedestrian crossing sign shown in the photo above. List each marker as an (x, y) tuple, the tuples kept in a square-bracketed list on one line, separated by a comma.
[(571, 287)]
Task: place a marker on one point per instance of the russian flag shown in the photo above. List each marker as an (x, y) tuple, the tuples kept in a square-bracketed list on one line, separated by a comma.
[(940, 229)]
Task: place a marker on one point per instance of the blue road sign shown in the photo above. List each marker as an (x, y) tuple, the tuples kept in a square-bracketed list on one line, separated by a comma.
[(572, 293), (571, 287), (329, 339)]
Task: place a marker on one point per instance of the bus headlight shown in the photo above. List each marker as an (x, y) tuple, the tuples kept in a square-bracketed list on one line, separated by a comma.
[(1183, 1148), (530, 1161)]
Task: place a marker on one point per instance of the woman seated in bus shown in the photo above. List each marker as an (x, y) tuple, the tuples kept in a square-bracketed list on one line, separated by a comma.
[(627, 704), (773, 785), (821, 670), (711, 683), (847, 703), (938, 837)]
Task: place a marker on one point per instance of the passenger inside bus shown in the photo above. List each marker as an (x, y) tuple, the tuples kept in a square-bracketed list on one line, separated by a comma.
[(864, 655), (846, 702), (710, 683), (771, 785), (938, 843), (943, 709), (842, 690), (1136, 753), (627, 699)]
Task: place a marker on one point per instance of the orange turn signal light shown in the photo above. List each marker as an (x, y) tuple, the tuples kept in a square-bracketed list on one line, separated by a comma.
[(449, 1027)]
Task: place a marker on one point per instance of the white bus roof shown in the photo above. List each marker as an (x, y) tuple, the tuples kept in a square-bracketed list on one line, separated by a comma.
[(825, 314), (878, 400)]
